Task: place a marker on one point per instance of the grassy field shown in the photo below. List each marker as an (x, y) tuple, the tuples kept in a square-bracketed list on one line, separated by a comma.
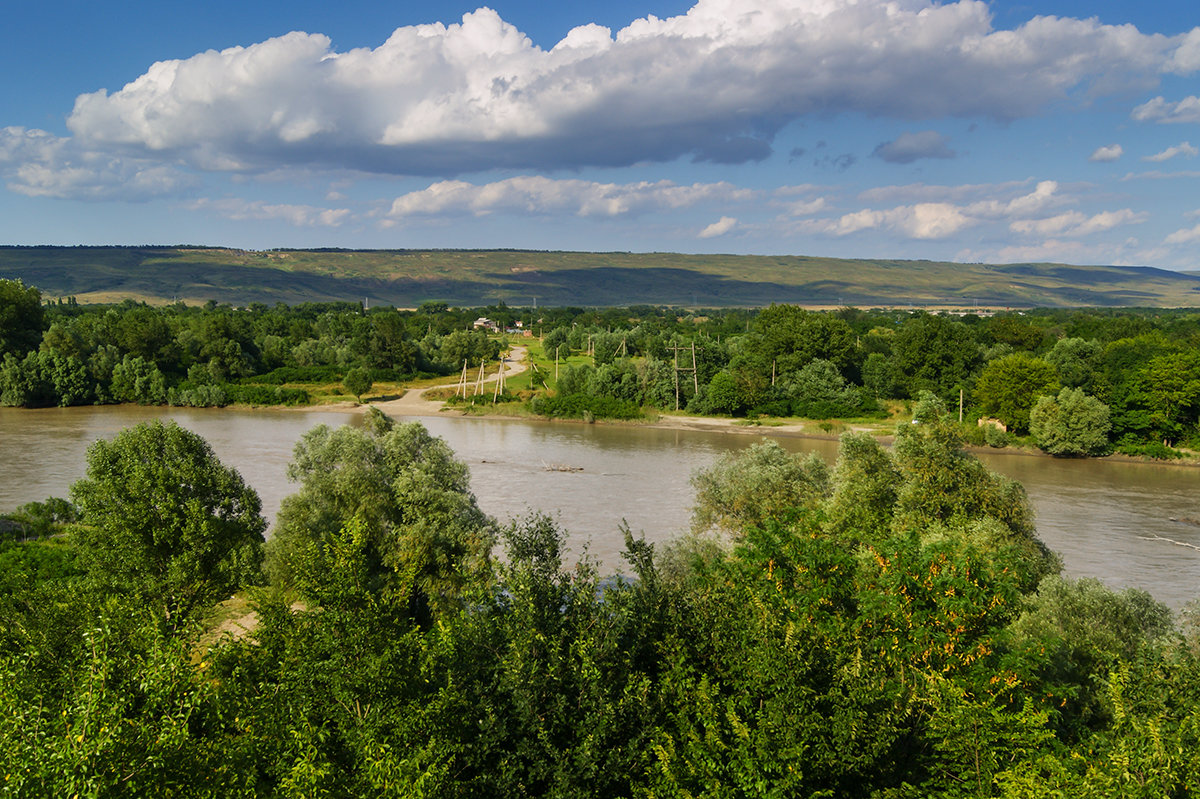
[(405, 278)]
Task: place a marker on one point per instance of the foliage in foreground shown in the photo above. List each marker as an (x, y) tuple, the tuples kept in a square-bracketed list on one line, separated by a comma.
[(898, 632)]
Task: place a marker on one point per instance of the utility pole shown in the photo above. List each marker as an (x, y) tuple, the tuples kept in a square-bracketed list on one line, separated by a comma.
[(678, 369)]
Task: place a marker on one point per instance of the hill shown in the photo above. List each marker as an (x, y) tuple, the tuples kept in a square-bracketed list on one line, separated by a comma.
[(405, 278)]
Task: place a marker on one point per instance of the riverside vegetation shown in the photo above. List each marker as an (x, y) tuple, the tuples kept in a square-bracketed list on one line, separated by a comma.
[(1073, 382), (887, 627)]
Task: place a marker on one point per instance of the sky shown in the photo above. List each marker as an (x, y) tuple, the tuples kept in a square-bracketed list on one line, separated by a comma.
[(1000, 132)]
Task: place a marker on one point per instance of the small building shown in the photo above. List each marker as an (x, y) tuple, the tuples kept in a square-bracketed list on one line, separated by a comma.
[(989, 422), (483, 323)]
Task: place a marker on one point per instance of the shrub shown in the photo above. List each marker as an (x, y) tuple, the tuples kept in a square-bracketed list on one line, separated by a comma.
[(1071, 423), (995, 437), (579, 406)]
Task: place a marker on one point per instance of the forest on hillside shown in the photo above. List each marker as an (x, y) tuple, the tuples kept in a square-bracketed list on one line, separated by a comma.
[(889, 626), (1073, 382)]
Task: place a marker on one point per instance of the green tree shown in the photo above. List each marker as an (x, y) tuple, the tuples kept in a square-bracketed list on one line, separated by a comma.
[(792, 337), (69, 375), (22, 318), (25, 381), (723, 394), (1071, 424), (1072, 631), (163, 519), (136, 380), (745, 488), (358, 381), (1168, 388), (880, 376), (390, 346), (1009, 386), (556, 339), (1076, 361), (425, 536), (934, 353), (865, 485), (943, 487), (819, 391)]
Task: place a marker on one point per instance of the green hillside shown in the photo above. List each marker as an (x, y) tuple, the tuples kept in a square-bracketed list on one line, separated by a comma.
[(405, 278)]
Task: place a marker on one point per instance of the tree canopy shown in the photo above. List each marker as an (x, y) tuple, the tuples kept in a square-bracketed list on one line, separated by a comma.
[(163, 519)]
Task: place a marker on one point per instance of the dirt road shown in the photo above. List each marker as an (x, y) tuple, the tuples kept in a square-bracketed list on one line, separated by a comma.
[(414, 403)]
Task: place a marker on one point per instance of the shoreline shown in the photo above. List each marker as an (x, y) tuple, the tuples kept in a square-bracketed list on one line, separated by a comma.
[(730, 426)]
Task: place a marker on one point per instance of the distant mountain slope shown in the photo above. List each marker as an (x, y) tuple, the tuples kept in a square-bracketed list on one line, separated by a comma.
[(405, 278)]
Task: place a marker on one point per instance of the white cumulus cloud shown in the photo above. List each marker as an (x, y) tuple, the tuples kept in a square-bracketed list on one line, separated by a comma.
[(949, 210), (1184, 236), (297, 215), (39, 164), (715, 83), (921, 221), (535, 194), (1075, 223), (1183, 148), (1159, 110), (719, 228), (1106, 154)]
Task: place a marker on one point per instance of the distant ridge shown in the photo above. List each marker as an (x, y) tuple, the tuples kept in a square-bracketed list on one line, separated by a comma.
[(405, 278)]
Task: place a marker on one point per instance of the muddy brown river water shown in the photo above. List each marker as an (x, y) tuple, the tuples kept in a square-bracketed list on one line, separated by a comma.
[(1106, 519)]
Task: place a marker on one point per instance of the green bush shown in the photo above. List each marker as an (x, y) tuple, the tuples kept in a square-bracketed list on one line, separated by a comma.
[(1071, 423), (297, 374), (266, 395), (578, 406), (995, 437), (1154, 449)]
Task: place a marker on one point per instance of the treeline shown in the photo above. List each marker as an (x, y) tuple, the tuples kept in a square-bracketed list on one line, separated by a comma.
[(66, 354), (1078, 382), (887, 627), (1074, 382)]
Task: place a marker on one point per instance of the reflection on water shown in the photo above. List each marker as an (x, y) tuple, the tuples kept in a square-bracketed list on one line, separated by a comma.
[(1098, 515)]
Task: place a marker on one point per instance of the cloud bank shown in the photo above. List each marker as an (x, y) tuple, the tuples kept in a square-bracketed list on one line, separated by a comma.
[(715, 84), (38, 164), (534, 194)]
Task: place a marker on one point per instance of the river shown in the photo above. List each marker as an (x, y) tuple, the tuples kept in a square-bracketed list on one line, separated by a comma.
[(1100, 516)]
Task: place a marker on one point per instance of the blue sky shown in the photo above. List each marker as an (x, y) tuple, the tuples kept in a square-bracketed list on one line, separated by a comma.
[(969, 131)]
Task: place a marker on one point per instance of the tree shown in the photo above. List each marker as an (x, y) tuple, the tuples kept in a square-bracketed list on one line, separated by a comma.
[(943, 487), (934, 354), (556, 342), (818, 391), (1070, 424), (1168, 387), (723, 394), (865, 482), (21, 318), (358, 381), (135, 379), (390, 346), (1075, 360), (163, 519), (424, 536), (880, 375), (792, 337), (1009, 386), (744, 489)]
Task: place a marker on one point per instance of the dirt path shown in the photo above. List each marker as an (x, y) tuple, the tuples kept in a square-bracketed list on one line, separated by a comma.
[(414, 403)]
